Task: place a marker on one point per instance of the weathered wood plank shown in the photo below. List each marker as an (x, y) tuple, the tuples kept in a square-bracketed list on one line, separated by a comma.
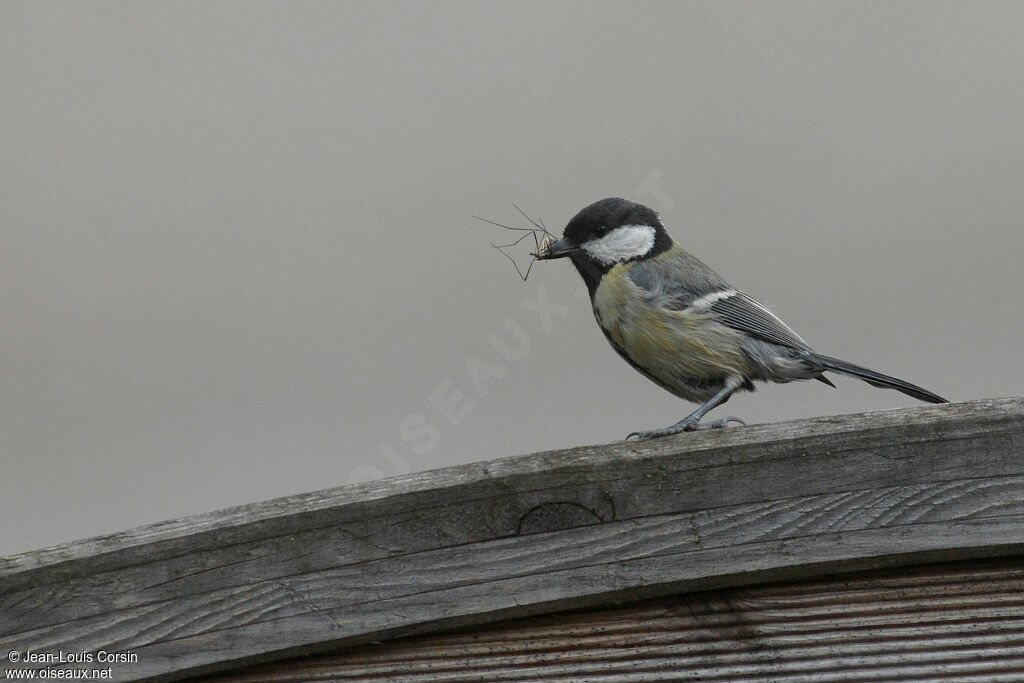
[(963, 620), (531, 534)]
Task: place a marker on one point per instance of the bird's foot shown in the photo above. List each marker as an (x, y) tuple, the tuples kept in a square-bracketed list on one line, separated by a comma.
[(687, 424)]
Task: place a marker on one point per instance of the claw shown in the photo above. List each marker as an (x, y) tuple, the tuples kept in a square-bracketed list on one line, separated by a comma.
[(719, 424), (685, 425)]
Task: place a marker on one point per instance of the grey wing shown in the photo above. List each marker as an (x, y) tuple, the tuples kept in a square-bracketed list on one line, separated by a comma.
[(676, 279), (680, 281), (742, 312)]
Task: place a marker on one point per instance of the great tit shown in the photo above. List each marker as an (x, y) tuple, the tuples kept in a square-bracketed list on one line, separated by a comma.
[(680, 323)]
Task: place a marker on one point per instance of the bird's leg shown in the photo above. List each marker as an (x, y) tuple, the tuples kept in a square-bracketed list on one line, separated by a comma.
[(691, 422)]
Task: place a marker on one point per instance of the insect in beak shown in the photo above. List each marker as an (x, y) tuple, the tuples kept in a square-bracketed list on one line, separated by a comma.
[(542, 245)]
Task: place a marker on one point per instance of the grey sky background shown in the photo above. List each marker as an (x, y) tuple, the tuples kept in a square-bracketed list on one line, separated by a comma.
[(238, 259)]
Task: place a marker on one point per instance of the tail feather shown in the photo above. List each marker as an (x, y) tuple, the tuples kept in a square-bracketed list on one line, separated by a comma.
[(875, 378)]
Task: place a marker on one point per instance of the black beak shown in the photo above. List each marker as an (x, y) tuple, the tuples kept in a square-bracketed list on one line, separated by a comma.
[(559, 249)]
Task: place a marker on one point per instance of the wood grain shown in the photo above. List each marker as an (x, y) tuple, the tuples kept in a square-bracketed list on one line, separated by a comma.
[(949, 621), (529, 535)]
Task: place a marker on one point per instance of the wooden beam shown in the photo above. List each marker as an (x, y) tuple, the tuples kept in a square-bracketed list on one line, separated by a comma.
[(527, 535), (951, 621)]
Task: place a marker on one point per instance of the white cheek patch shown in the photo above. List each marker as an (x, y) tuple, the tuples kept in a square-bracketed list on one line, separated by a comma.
[(622, 243)]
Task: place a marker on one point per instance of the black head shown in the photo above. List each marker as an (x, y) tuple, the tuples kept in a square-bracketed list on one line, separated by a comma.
[(604, 216), (609, 232)]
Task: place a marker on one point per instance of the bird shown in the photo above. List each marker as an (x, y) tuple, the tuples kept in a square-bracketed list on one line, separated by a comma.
[(681, 324)]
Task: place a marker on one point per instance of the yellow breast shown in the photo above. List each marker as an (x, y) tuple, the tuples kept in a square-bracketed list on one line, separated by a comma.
[(666, 344)]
